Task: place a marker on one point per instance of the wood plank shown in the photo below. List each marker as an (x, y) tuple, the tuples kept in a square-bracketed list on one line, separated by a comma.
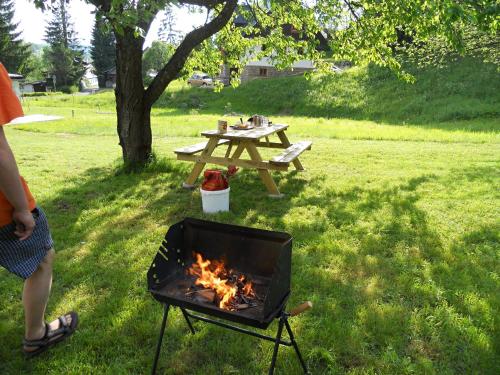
[(273, 145), (291, 153), (239, 150), (296, 162), (198, 167), (263, 173), (251, 164), (270, 145), (229, 148), (243, 135), (193, 149)]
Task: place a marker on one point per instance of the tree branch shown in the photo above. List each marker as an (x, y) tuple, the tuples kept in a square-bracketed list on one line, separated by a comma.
[(202, 3), (191, 41), (351, 9), (102, 5)]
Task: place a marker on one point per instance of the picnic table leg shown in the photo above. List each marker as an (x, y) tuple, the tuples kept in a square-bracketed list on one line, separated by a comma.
[(198, 167), (239, 150), (229, 148), (264, 173), (285, 141)]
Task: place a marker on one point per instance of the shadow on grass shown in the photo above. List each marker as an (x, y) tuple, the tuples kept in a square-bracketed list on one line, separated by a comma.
[(103, 226), (388, 294), (483, 174), (398, 295)]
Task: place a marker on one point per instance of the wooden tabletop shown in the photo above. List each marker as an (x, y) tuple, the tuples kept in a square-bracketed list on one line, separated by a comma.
[(251, 134)]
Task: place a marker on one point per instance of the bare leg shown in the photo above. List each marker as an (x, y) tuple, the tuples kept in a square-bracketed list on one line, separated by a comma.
[(35, 296)]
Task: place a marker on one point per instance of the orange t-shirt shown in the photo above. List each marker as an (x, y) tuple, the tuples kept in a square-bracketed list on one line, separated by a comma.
[(10, 108)]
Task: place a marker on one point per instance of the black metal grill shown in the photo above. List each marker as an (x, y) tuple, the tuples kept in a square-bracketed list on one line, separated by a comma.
[(265, 255)]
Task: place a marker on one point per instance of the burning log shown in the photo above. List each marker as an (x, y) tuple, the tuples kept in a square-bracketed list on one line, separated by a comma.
[(228, 289), (207, 294), (204, 295), (242, 306)]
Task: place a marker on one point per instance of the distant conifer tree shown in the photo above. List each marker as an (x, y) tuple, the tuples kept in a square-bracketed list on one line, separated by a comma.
[(166, 32), (103, 50), (14, 53), (65, 56)]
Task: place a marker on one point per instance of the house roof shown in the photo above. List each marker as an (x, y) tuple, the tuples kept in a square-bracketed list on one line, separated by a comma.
[(15, 76), (36, 83), (245, 17)]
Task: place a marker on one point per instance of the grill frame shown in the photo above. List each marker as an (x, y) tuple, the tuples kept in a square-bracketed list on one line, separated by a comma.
[(184, 237), (170, 260)]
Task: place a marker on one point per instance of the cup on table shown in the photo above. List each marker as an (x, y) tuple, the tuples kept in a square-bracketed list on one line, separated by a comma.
[(257, 121), (222, 126)]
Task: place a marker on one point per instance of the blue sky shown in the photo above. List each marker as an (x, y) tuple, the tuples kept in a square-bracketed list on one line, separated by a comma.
[(32, 21)]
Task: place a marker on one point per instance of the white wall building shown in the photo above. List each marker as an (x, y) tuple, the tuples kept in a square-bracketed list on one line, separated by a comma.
[(16, 82)]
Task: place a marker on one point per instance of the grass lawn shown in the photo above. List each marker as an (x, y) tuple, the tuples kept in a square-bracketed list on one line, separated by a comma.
[(396, 242)]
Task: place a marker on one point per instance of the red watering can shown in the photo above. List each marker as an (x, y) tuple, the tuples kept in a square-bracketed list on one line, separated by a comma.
[(216, 179)]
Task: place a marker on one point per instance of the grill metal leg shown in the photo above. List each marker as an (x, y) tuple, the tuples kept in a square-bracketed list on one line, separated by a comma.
[(276, 345), (188, 321), (295, 346), (283, 322), (160, 339)]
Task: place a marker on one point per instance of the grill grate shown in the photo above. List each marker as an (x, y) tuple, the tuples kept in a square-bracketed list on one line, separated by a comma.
[(265, 255)]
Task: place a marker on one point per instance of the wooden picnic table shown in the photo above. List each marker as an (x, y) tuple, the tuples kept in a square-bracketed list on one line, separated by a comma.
[(240, 140)]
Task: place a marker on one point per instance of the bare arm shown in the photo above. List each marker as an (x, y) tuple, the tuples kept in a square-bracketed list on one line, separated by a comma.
[(10, 182), (11, 187)]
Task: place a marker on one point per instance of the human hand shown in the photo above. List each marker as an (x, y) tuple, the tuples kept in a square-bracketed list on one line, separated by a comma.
[(24, 224)]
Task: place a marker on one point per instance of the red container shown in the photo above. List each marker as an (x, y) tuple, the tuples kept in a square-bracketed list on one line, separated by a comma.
[(214, 180)]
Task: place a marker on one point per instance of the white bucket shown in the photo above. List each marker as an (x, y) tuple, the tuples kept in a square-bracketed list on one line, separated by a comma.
[(215, 201)]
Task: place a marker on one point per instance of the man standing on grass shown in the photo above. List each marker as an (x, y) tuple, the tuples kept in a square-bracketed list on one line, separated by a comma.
[(25, 240)]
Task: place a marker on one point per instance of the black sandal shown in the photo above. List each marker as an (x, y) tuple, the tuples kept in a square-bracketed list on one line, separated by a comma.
[(64, 331)]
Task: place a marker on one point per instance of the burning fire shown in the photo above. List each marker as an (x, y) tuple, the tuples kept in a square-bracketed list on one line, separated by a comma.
[(212, 274)]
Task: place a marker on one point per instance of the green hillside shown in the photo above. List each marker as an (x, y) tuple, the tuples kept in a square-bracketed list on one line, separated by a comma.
[(453, 104), (466, 90)]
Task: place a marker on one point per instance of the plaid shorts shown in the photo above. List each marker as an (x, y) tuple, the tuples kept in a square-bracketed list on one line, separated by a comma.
[(23, 257)]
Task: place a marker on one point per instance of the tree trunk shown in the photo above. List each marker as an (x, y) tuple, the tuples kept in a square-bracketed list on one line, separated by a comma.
[(133, 102), (134, 123)]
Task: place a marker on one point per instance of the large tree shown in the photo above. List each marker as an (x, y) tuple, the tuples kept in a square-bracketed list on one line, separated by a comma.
[(103, 50), (64, 55), (361, 30), (14, 53)]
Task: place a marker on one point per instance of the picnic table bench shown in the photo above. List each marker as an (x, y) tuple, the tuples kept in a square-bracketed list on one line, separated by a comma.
[(241, 140)]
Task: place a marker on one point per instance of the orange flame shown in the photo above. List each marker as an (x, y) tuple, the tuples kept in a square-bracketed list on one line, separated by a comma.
[(248, 289), (213, 275)]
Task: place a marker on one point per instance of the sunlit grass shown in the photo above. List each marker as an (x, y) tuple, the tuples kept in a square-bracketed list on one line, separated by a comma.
[(396, 242), (455, 104), (165, 124)]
